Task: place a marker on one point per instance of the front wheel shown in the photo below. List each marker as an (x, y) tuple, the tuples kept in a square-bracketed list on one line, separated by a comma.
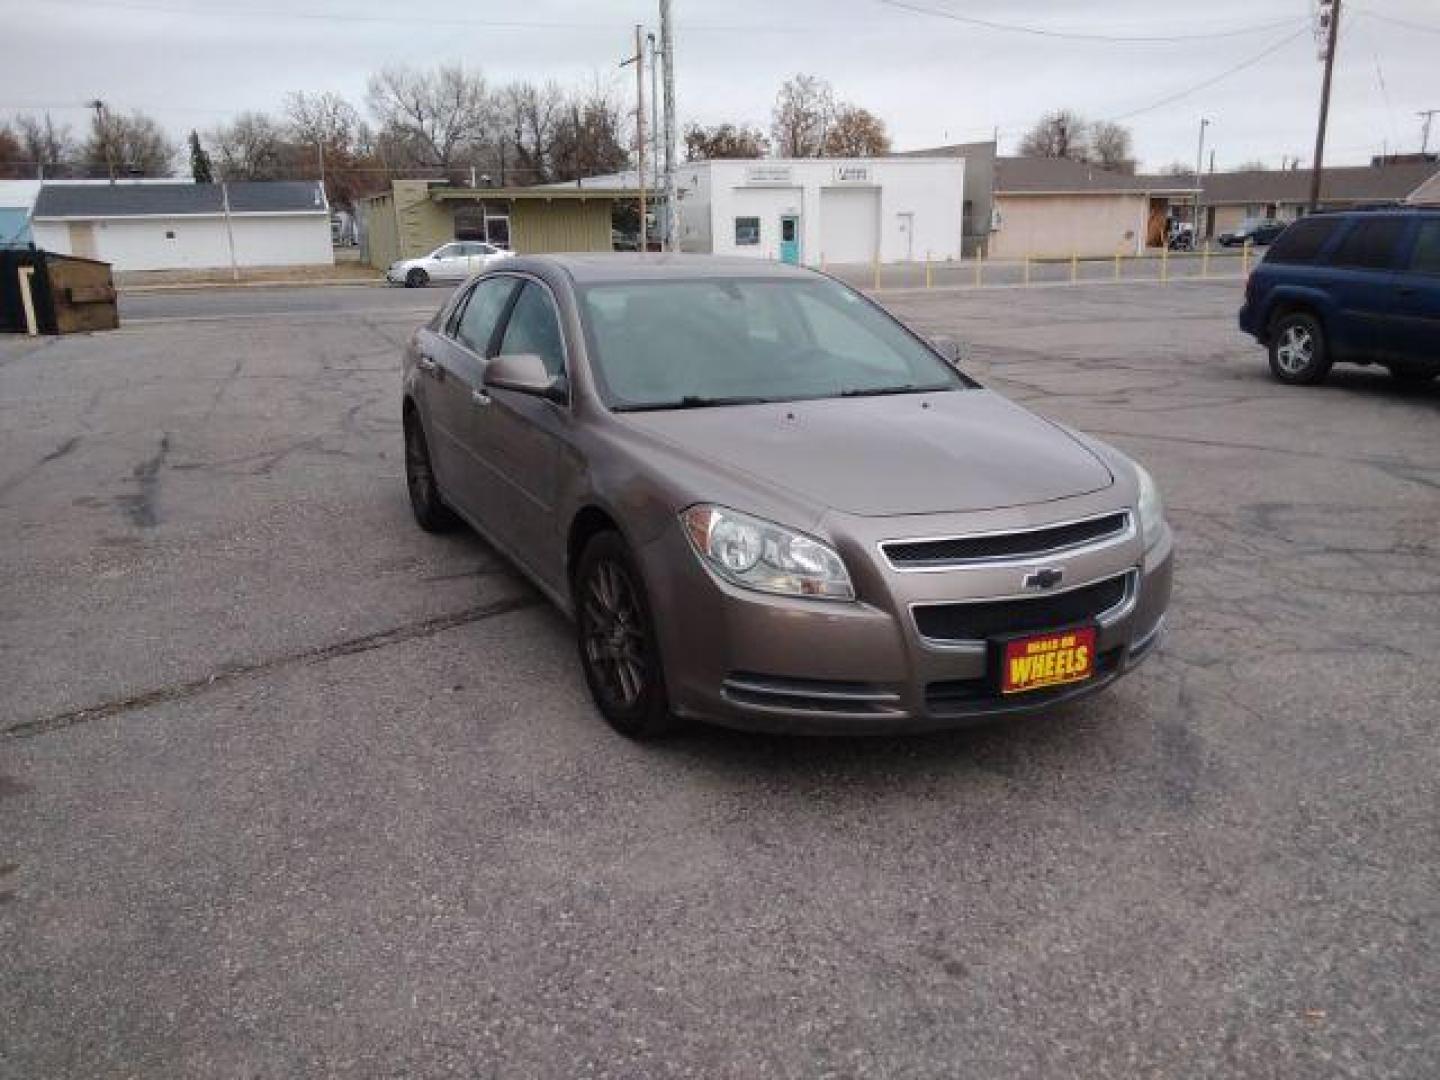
[(616, 636), (417, 279), (1298, 354)]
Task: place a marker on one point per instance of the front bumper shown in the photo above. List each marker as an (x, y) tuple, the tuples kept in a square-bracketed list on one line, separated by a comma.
[(750, 660)]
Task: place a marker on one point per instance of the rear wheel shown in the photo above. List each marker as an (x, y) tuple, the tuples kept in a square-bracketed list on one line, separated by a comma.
[(417, 279), (431, 513), (617, 643), (1298, 354)]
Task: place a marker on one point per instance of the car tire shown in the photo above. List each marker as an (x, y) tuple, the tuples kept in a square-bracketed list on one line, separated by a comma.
[(430, 511), (1408, 376), (416, 279), (615, 634), (1299, 354)]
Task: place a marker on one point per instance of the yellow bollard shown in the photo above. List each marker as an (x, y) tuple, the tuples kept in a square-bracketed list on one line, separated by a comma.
[(1245, 260), (1117, 266), (1165, 263), (928, 280), (1074, 267), (979, 262), (1205, 262), (1027, 269)]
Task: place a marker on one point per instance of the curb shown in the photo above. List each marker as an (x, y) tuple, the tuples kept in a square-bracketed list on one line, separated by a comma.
[(193, 286)]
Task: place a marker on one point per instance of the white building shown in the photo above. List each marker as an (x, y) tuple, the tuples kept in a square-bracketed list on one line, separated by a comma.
[(822, 211), (174, 226)]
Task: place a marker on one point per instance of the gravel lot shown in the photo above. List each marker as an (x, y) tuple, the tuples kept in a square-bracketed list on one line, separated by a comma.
[(290, 788)]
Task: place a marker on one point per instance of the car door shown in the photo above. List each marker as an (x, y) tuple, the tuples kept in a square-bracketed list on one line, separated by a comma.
[(523, 438), (457, 397), (449, 263), (1364, 290), (1416, 325)]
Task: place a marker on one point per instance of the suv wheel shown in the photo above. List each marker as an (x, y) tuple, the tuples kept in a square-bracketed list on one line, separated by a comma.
[(431, 513), (617, 642), (1297, 349), (417, 279)]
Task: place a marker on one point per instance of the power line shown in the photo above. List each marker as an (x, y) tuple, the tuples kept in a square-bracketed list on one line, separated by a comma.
[(1409, 24), (1075, 35), (1250, 62)]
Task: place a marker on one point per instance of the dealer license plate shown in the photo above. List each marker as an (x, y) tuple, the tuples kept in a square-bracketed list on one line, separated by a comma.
[(1045, 660)]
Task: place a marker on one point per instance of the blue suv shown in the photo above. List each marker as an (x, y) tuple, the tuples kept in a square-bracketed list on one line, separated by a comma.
[(1361, 287)]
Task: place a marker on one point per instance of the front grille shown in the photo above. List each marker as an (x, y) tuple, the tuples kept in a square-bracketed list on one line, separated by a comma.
[(956, 697), (988, 618), (810, 695), (953, 550)]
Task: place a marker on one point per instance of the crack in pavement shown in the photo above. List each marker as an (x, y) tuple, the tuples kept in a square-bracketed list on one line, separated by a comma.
[(318, 654)]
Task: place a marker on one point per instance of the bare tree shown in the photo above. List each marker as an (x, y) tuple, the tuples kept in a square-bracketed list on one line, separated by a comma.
[(48, 146), (1177, 168), (12, 155), (431, 117), (589, 137), (856, 132), (804, 110), (724, 141), (1252, 166), (1059, 134), (530, 115), (253, 146), (323, 119), (133, 145), (1111, 146)]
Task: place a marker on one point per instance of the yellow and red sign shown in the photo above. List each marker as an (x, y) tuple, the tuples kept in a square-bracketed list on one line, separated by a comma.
[(1033, 663)]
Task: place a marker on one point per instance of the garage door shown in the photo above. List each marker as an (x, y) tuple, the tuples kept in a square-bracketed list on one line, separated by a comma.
[(849, 224)]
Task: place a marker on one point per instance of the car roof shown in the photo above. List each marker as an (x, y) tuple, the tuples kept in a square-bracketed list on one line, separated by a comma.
[(586, 268)]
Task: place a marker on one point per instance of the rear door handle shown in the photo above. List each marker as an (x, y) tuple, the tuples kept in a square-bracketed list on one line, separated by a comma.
[(426, 364), (479, 397)]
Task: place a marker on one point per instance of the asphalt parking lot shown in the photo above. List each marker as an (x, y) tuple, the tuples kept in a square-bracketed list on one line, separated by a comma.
[(289, 787)]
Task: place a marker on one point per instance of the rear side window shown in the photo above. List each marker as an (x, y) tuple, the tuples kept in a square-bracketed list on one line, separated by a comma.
[(1370, 244), (1302, 241), (535, 328), (1425, 259)]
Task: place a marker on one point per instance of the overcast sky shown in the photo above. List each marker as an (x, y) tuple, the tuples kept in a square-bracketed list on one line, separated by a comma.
[(194, 63)]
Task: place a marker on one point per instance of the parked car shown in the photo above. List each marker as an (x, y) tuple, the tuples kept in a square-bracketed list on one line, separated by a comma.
[(454, 261), (1256, 232), (1360, 287), (767, 503)]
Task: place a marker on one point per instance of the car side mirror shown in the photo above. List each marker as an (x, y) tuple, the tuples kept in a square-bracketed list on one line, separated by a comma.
[(950, 350), (525, 373)]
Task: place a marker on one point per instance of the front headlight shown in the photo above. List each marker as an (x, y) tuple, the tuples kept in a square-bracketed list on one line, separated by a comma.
[(761, 555), (1150, 508)]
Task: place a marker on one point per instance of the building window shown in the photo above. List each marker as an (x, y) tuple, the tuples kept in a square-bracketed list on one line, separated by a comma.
[(169, 234), (747, 231)]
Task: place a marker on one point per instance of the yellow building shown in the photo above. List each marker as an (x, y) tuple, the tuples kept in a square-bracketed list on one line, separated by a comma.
[(416, 216)]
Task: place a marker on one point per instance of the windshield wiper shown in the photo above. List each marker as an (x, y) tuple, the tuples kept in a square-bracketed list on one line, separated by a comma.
[(881, 391), (692, 401)]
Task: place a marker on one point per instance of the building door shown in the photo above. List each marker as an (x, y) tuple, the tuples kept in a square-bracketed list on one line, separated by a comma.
[(82, 239), (907, 234), (850, 224), (790, 238)]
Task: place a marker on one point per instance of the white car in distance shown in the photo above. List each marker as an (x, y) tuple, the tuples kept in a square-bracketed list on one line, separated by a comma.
[(454, 261)]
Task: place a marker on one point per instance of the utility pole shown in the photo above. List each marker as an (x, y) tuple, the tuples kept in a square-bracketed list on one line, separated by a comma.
[(653, 52), (639, 61), (1426, 115), (1329, 11), (672, 198), (104, 133), (1199, 160)]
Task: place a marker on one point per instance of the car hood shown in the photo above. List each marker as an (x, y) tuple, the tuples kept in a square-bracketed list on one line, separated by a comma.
[(961, 450)]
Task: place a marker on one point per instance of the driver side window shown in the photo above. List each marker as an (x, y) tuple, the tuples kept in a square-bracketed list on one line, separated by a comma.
[(535, 328), (482, 312), (449, 251)]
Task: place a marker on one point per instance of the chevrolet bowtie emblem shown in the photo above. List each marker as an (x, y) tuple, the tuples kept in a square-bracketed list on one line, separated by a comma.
[(1047, 577)]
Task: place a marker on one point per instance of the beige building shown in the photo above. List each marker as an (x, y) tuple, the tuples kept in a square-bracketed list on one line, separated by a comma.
[(1054, 208), (416, 216), (1427, 194), (1230, 198)]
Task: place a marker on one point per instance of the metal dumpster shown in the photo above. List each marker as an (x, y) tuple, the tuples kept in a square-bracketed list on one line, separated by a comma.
[(67, 294)]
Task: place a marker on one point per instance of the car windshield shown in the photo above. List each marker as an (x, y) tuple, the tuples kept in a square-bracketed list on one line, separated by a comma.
[(711, 342)]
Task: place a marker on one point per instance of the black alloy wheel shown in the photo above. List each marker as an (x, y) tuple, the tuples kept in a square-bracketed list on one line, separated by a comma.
[(617, 642), (431, 513), (417, 279)]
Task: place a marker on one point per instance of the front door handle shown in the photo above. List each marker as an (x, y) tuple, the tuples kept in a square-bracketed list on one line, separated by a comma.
[(426, 364), (479, 397)]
